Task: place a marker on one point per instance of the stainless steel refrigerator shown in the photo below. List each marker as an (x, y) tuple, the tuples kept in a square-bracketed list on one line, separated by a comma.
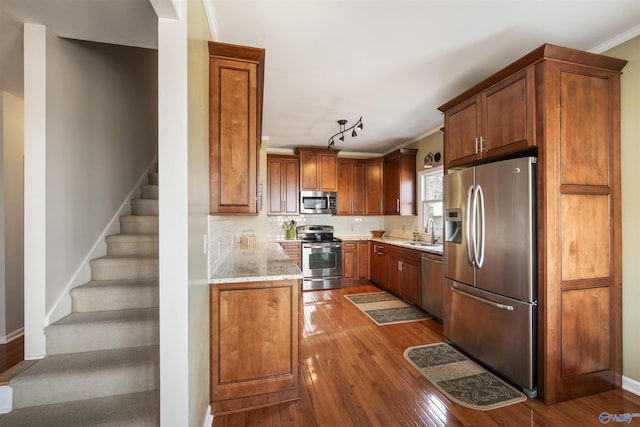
[(490, 266)]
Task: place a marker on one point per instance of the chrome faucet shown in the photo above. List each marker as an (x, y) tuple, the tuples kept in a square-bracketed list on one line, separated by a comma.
[(433, 230)]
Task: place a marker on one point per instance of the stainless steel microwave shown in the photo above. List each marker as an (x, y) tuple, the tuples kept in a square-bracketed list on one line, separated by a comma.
[(318, 202)]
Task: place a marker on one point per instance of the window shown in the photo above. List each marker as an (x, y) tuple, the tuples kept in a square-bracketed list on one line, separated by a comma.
[(431, 200)]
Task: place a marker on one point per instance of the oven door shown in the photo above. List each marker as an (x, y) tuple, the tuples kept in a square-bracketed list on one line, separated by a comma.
[(322, 259)]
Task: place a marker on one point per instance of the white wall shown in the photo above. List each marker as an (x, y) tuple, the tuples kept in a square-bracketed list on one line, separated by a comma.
[(101, 133), (11, 217)]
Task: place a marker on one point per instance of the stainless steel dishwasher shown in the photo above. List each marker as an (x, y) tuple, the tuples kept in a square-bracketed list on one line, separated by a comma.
[(431, 281)]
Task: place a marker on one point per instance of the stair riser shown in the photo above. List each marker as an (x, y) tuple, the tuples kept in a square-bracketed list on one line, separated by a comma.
[(153, 178), (86, 385), (97, 300), (94, 338), (141, 271), (149, 192), (132, 248), (144, 209), (139, 227)]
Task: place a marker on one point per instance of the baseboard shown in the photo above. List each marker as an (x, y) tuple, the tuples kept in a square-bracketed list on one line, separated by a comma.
[(6, 399), (6, 339), (631, 385), (82, 275), (208, 417)]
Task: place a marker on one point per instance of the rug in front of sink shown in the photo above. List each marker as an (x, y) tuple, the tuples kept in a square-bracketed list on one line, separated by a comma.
[(461, 380), (385, 309)]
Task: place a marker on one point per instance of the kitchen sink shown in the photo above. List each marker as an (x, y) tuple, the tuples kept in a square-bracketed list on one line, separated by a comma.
[(422, 244)]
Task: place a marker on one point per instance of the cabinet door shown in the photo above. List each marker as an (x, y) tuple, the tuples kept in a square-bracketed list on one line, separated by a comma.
[(462, 126), (394, 268), (363, 260), (344, 187), (507, 113), (328, 165), (282, 186), (357, 188), (378, 264), (410, 276), (374, 187), (391, 190), (233, 146), (309, 171), (349, 260)]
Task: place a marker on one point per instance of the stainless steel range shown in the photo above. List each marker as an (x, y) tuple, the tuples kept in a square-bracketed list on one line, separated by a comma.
[(321, 257)]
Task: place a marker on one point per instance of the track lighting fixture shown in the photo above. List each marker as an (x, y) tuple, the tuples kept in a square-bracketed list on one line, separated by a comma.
[(342, 124)]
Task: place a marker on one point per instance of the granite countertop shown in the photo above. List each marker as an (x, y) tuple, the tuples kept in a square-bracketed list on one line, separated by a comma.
[(407, 243), (267, 261)]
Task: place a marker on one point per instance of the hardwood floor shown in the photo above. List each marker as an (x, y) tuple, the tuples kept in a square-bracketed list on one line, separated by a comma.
[(11, 353), (353, 374)]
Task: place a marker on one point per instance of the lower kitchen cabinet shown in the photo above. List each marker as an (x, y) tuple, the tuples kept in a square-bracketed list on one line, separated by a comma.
[(378, 264), (355, 262), (403, 274), (293, 251), (254, 344)]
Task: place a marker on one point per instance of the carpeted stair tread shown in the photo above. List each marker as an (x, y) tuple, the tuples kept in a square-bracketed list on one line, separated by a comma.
[(130, 410), (139, 224), (102, 330), (144, 206), (101, 295), (149, 191), (76, 376), (113, 267), (132, 244)]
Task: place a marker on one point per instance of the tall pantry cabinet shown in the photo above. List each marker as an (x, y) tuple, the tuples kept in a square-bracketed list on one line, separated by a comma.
[(566, 110)]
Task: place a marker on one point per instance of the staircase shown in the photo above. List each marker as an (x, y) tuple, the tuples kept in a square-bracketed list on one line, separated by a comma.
[(102, 364)]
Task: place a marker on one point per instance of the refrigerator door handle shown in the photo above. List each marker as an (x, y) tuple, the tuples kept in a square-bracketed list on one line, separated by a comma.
[(467, 228), (485, 301), (474, 226), (481, 234)]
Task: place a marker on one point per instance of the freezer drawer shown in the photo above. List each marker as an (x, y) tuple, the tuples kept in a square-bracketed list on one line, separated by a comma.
[(497, 331)]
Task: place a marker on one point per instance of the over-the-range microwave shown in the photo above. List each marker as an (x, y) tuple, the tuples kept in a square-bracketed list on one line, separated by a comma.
[(318, 202)]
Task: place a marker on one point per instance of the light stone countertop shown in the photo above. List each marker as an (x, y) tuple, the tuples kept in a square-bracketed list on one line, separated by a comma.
[(267, 261), (405, 243)]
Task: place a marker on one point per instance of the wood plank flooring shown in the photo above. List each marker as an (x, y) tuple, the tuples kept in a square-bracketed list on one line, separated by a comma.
[(353, 374), (11, 353)]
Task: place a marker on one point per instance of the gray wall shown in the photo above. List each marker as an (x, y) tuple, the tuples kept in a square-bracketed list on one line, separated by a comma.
[(101, 134)]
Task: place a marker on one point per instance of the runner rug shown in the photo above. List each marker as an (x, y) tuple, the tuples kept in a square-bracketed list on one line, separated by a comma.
[(385, 309), (460, 379)]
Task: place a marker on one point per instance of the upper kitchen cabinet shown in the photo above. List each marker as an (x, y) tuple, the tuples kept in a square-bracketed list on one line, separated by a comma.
[(318, 169), (399, 193), (569, 116), (492, 123), (351, 189), (236, 76), (373, 176), (282, 185)]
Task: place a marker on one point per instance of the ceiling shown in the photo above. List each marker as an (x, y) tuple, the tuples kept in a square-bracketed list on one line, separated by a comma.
[(392, 62)]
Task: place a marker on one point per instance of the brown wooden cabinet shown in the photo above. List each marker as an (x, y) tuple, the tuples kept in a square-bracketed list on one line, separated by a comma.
[(400, 182), (494, 123), (573, 124), (318, 169), (363, 260), (236, 75), (374, 186), (282, 185), (351, 189), (355, 262), (378, 264), (247, 369), (293, 251), (403, 273)]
